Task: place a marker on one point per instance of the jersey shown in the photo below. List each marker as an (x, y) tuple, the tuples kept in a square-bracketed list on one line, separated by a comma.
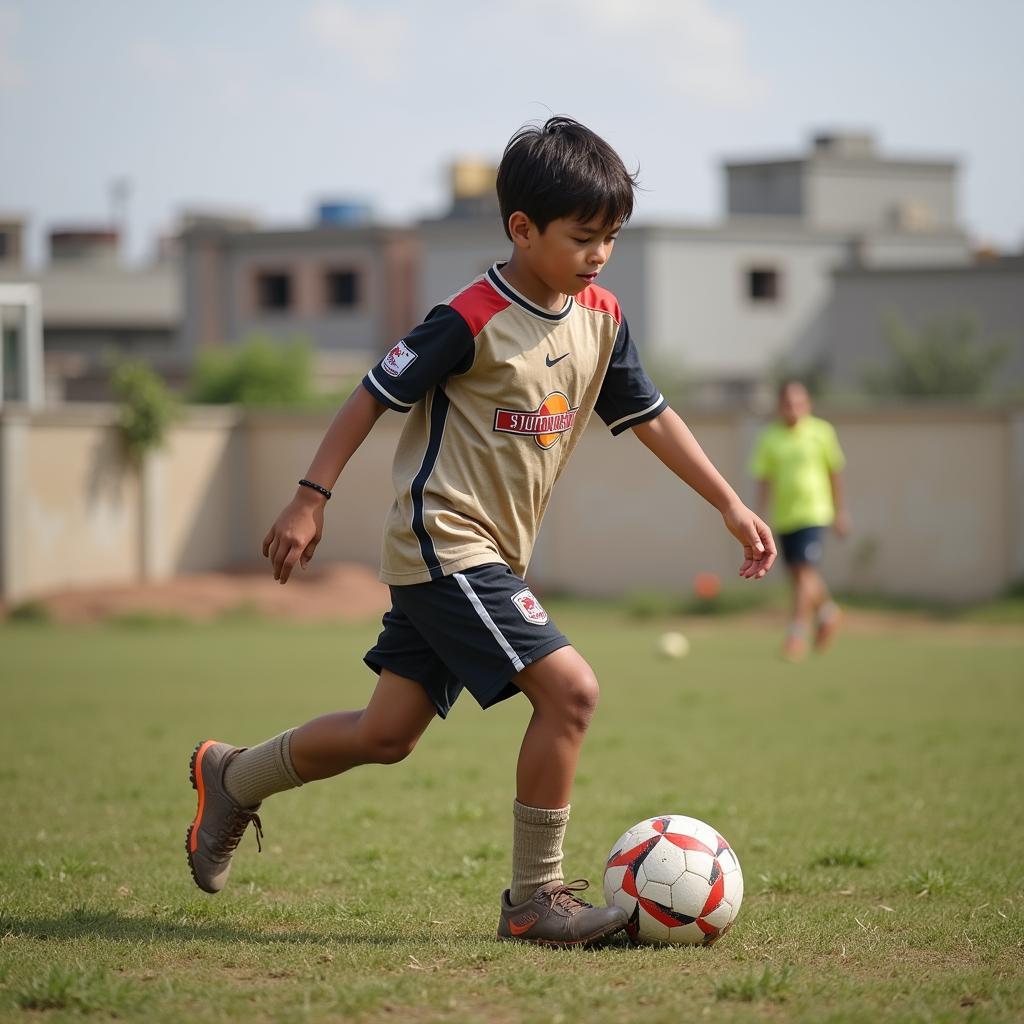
[(797, 461), (498, 391)]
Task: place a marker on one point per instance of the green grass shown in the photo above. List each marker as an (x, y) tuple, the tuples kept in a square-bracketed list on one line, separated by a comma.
[(873, 797)]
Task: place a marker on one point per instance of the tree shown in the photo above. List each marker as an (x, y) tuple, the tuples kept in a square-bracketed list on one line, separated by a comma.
[(945, 357)]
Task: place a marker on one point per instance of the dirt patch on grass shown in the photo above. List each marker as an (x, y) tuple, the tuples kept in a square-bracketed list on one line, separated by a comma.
[(323, 593)]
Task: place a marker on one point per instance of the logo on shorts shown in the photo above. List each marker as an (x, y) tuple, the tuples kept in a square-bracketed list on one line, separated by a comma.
[(398, 359), (545, 424), (530, 608)]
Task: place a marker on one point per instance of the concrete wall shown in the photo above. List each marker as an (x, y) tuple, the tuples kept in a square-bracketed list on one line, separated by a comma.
[(700, 313), (936, 495), (880, 194), (854, 339)]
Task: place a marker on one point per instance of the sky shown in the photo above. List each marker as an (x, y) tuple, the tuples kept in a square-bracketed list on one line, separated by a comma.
[(265, 108)]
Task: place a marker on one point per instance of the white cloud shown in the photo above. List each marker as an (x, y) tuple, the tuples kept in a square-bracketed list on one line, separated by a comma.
[(11, 76), (692, 49), (378, 43)]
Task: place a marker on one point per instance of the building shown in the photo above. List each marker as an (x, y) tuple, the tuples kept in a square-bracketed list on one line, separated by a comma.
[(727, 302), (345, 285), (94, 309), (853, 339)]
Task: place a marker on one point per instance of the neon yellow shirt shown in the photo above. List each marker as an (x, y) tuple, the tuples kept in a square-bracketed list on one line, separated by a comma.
[(797, 462)]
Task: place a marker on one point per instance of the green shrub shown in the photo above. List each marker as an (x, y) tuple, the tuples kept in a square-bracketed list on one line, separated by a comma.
[(147, 408), (259, 372), (945, 357)]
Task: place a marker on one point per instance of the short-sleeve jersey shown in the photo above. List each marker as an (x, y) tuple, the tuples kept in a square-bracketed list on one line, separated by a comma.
[(797, 462), (498, 392)]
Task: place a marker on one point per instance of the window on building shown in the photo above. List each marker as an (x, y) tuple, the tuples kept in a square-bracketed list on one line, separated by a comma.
[(763, 284), (274, 290), (342, 288), (3, 245)]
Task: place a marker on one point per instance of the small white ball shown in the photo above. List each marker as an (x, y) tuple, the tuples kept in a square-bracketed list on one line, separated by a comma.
[(673, 645)]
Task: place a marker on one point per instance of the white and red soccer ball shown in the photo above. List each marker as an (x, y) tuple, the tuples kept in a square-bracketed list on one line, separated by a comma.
[(677, 879)]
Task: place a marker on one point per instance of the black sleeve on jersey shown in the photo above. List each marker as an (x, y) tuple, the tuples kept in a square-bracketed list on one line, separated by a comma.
[(437, 348), (628, 396)]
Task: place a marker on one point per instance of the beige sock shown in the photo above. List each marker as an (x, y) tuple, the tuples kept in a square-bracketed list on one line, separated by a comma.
[(261, 771), (537, 834)]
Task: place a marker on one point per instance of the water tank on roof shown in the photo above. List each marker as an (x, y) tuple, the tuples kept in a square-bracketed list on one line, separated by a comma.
[(346, 213)]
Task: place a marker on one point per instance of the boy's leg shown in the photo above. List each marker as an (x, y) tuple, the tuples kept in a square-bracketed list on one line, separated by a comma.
[(539, 907), (231, 782), (563, 691), (384, 732)]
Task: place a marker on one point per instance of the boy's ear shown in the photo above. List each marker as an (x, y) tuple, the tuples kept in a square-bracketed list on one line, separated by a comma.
[(521, 228)]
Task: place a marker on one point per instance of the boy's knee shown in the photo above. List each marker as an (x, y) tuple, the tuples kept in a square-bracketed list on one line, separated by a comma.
[(580, 693), (387, 748)]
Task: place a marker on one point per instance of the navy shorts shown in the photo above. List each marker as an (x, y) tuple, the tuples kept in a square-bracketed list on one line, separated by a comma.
[(476, 629), (803, 547)]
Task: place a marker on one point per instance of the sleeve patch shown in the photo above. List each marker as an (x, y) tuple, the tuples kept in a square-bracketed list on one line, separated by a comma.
[(398, 360)]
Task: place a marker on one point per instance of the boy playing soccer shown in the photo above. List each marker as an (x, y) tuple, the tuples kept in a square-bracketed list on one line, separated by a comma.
[(798, 460), (498, 384)]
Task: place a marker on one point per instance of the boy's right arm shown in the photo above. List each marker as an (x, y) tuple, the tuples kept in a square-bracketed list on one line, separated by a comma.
[(297, 530)]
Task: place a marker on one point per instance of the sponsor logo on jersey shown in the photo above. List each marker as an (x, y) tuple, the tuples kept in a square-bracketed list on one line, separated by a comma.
[(545, 424), (398, 360), (530, 608)]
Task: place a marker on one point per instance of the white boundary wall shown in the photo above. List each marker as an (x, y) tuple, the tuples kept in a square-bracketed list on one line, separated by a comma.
[(936, 495)]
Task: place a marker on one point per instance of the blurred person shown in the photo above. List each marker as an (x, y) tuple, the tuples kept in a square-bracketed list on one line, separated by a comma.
[(798, 463), (497, 386)]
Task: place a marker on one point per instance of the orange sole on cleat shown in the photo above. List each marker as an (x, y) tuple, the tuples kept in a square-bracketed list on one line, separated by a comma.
[(195, 776)]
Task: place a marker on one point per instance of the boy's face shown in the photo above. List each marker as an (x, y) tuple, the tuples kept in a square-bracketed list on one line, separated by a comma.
[(569, 254)]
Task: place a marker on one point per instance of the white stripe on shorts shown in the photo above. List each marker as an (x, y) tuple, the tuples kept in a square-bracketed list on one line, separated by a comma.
[(488, 621)]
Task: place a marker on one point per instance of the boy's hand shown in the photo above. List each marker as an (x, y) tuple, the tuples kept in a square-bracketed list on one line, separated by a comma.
[(294, 536), (756, 538), (842, 523)]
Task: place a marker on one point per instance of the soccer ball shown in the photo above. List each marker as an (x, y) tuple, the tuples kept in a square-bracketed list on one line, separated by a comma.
[(673, 645), (678, 880)]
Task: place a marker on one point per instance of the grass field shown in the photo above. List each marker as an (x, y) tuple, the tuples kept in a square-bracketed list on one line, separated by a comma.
[(875, 798)]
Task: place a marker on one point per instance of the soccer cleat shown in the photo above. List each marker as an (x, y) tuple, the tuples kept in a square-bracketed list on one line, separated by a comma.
[(219, 823), (555, 916)]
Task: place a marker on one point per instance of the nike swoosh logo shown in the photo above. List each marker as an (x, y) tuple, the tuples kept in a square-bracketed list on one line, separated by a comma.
[(524, 924), (551, 362)]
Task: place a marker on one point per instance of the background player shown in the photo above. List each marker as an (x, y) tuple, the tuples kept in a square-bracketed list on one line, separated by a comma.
[(798, 462)]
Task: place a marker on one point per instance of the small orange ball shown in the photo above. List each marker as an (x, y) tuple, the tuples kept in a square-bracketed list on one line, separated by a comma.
[(707, 586)]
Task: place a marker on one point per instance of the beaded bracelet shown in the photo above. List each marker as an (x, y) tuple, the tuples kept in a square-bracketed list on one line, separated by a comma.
[(316, 487)]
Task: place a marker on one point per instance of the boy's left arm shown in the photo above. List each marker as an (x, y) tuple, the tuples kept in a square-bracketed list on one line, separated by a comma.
[(669, 438)]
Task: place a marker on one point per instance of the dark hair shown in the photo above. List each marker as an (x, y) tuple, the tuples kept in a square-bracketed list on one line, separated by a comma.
[(563, 169)]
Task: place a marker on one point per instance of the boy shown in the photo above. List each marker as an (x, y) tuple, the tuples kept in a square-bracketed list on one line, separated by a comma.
[(498, 384), (799, 459)]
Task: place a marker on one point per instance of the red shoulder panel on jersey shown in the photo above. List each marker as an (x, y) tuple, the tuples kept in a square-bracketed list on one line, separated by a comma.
[(600, 299), (477, 304)]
